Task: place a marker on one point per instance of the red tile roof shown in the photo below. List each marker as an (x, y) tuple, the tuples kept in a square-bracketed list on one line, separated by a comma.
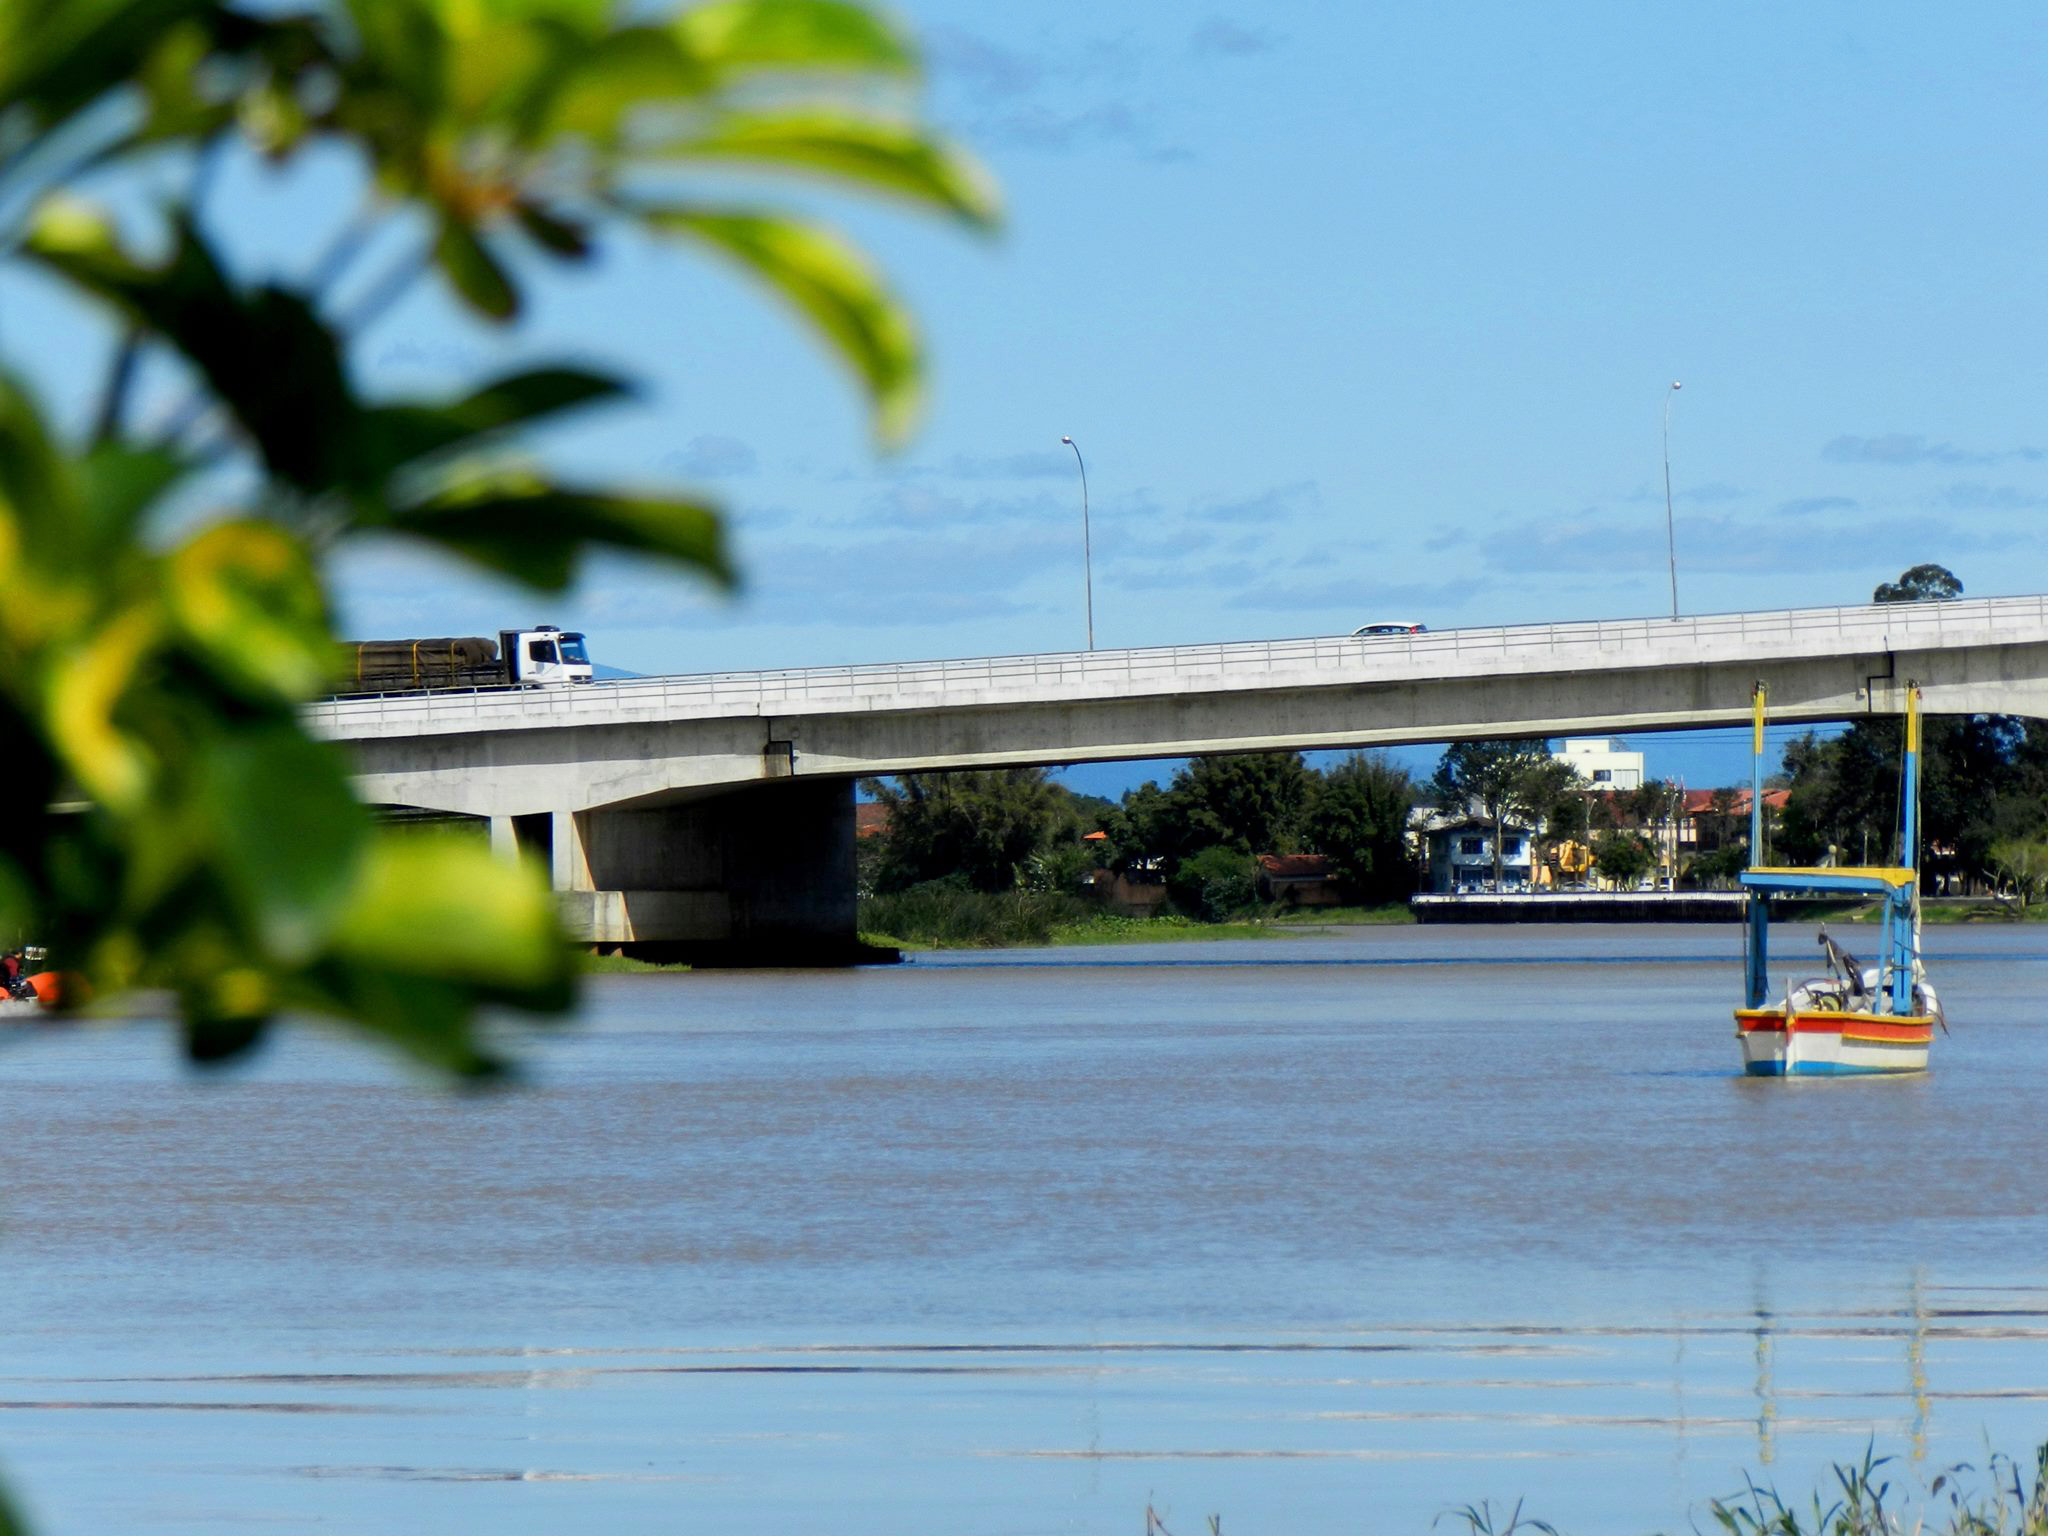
[(1700, 802), (1296, 866)]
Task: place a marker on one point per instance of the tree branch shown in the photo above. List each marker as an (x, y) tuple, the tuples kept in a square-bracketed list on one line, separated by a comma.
[(120, 379)]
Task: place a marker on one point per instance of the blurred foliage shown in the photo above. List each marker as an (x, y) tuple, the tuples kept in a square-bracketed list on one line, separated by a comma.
[(158, 635)]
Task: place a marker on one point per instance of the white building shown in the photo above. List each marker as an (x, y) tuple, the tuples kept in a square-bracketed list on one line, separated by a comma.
[(1602, 763), (1458, 848)]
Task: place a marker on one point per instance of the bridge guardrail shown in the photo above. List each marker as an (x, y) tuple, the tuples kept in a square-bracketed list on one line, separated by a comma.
[(1255, 661)]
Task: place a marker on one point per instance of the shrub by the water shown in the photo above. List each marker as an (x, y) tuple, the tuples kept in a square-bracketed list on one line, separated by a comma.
[(947, 914)]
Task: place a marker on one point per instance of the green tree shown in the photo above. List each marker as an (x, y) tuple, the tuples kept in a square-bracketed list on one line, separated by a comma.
[(1253, 801), (1214, 883), (1503, 779), (2020, 865), (152, 665), (1139, 829), (1359, 819), (1551, 793), (1717, 868), (1623, 857), (1920, 584), (1979, 778), (985, 826)]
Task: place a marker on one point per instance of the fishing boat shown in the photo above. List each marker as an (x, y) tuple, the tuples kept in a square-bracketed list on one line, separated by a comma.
[(1853, 1019)]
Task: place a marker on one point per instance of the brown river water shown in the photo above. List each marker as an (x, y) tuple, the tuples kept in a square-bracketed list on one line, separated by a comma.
[(1317, 1235)]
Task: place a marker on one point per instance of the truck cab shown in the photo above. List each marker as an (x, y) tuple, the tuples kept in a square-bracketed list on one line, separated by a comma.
[(544, 656)]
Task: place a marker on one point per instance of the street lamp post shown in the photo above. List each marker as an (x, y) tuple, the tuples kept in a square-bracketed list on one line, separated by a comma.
[(1087, 553), (1670, 538)]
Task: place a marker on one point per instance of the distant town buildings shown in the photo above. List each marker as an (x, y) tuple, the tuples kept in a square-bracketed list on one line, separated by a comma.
[(1602, 763)]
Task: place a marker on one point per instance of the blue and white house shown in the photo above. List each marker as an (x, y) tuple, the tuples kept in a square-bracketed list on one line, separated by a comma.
[(1459, 849)]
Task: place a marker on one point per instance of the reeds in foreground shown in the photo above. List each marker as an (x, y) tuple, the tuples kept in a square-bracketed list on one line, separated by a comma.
[(2016, 1505), (1957, 1504)]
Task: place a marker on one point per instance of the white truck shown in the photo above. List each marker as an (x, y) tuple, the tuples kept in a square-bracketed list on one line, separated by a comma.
[(541, 657)]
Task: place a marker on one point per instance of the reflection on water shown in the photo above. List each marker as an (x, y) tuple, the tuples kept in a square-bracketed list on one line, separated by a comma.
[(1289, 1232)]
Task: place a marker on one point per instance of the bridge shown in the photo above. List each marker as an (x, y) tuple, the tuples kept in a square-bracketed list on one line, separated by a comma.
[(717, 809)]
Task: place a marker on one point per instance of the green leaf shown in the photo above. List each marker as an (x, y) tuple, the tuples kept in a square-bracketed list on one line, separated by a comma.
[(439, 924), (426, 1018), (598, 93), (830, 282), (443, 905), (57, 57), (266, 355), (400, 67), (737, 36), (212, 1038), (38, 501), (536, 535), (119, 485), (83, 688), (394, 436), (288, 837), (564, 237), (246, 598), (476, 274), (881, 154)]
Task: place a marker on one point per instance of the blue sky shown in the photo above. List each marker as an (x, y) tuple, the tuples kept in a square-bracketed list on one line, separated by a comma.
[(1356, 312)]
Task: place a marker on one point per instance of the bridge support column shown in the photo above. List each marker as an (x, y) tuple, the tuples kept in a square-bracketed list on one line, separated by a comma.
[(568, 858), (759, 876)]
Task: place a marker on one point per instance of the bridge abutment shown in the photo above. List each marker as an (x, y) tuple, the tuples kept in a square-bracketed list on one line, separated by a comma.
[(761, 876)]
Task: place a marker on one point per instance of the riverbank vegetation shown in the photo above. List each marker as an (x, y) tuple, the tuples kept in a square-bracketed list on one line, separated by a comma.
[(1983, 789), (1009, 856)]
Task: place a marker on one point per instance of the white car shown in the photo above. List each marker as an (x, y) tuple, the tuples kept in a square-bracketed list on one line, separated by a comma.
[(1388, 627)]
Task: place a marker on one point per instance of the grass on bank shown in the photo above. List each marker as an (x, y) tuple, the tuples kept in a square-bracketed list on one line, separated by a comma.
[(939, 916), (603, 965), (1935, 911), (1344, 917)]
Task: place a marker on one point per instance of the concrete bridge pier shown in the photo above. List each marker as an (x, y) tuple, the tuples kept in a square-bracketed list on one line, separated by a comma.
[(758, 876)]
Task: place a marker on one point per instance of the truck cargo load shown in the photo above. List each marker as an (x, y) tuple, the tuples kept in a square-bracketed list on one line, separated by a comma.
[(541, 657), (444, 662)]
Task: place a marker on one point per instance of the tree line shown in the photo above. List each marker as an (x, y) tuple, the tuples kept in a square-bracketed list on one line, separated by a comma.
[(1002, 829), (1983, 787)]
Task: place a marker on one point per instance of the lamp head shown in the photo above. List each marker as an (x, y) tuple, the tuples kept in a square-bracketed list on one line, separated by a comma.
[(1676, 385), (1068, 441)]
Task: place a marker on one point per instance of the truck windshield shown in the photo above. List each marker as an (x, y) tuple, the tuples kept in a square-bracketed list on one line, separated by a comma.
[(572, 649)]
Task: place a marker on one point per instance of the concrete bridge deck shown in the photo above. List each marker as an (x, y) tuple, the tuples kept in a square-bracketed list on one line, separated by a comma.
[(1514, 651), (721, 803)]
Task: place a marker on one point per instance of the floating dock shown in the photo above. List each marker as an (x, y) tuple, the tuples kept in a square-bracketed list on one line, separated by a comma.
[(1581, 907)]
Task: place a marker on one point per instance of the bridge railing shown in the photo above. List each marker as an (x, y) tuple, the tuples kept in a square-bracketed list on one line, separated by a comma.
[(1253, 663)]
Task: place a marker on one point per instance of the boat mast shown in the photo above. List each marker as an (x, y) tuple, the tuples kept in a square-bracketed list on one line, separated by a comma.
[(1756, 968), (1756, 778), (1902, 911)]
